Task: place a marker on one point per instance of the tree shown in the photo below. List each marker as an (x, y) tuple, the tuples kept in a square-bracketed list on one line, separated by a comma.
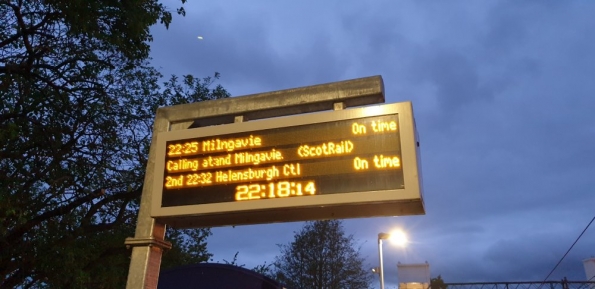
[(437, 283), (189, 246), (77, 101), (321, 256)]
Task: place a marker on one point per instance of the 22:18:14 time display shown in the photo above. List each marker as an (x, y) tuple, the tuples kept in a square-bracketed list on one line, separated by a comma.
[(272, 190)]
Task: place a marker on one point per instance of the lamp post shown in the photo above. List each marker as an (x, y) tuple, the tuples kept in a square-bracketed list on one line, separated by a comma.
[(399, 238), (381, 236)]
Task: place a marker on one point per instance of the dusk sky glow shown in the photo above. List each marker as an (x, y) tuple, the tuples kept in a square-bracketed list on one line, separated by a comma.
[(504, 99)]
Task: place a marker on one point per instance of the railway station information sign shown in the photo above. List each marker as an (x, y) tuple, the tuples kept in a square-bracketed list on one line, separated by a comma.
[(358, 162)]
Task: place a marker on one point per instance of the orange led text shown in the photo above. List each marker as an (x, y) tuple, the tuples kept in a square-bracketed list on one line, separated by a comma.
[(386, 161), (215, 145), (325, 149)]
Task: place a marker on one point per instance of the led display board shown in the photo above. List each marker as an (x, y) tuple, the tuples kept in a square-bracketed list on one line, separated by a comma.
[(357, 162)]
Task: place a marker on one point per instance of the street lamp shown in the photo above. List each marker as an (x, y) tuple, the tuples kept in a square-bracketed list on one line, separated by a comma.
[(398, 238), (381, 236)]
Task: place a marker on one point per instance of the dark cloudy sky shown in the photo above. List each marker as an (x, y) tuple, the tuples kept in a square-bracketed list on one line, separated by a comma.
[(504, 99)]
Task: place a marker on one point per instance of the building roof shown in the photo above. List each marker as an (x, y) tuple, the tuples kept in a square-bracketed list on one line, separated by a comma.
[(214, 276)]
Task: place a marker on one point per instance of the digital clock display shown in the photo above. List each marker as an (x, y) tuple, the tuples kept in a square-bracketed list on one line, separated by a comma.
[(354, 155)]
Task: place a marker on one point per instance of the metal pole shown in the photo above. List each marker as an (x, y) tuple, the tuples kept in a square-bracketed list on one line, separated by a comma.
[(381, 272)]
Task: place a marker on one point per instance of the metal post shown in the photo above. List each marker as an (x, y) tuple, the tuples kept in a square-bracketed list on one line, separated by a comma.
[(381, 272), (148, 243)]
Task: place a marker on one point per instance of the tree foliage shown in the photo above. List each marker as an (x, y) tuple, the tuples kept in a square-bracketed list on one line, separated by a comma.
[(437, 283), (189, 247), (322, 256), (77, 102)]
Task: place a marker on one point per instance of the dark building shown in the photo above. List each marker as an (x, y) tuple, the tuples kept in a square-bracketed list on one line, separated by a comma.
[(214, 276)]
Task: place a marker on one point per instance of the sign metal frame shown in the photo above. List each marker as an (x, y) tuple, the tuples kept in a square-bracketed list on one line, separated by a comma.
[(406, 201), (148, 242)]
